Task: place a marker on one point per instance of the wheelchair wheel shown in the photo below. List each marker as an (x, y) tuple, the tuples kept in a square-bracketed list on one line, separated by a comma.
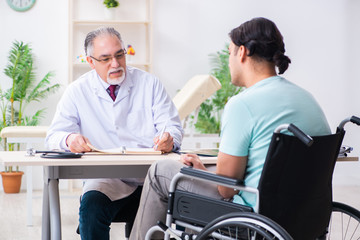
[(344, 223), (243, 225)]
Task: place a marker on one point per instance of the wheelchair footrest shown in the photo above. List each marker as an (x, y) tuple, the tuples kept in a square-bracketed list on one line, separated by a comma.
[(200, 210)]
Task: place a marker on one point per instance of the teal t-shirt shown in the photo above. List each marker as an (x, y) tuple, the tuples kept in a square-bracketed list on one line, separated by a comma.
[(251, 117)]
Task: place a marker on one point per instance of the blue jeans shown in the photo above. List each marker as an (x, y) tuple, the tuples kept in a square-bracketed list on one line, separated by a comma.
[(97, 212)]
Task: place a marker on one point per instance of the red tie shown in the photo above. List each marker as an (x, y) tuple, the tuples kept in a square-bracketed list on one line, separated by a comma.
[(112, 92)]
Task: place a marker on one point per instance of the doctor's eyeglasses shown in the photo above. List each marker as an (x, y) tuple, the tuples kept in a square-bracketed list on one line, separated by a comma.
[(107, 59)]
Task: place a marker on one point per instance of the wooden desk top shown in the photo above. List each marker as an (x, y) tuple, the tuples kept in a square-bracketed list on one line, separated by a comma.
[(348, 159), (8, 158), (19, 158)]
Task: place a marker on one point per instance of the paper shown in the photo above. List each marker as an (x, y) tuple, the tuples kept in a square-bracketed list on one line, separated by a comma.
[(125, 151)]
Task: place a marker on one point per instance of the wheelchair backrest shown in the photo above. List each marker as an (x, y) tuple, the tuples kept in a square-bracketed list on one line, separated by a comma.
[(296, 183)]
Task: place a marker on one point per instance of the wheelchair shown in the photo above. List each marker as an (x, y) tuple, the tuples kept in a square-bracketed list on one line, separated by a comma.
[(293, 198)]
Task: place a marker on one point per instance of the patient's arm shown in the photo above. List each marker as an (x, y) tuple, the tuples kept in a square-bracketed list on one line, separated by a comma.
[(230, 166)]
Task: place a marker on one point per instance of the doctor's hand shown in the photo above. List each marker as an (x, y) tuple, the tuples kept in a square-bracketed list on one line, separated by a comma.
[(192, 160), (164, 144), (77, 143)]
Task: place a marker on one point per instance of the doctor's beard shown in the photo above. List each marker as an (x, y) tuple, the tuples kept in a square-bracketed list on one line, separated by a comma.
[(118, 80)]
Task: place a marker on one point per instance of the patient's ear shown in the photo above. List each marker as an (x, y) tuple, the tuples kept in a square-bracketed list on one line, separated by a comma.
[(242, 53), (90, 61)]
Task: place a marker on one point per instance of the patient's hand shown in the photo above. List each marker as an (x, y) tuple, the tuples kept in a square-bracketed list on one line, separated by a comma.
[(192, 160), (77, 143)]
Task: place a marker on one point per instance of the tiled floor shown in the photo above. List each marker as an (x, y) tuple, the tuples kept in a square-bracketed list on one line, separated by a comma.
[(13, 217), (13, 214)]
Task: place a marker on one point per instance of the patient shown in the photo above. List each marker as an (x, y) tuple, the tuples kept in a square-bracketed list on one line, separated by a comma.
[(256, 55)]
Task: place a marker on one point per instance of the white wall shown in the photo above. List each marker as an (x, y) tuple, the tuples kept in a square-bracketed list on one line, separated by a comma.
[(321, 39), (45, 26)]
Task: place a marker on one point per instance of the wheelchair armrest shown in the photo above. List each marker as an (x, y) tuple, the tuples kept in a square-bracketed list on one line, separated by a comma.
[(202, 175), (211, 176)]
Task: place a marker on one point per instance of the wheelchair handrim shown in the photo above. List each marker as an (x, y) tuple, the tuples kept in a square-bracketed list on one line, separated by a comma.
[(252, 221)]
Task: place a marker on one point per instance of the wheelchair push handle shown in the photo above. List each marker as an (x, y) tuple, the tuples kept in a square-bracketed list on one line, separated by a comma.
[(306, 139), (353, 119)]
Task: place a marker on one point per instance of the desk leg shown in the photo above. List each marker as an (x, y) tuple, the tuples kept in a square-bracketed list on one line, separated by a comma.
[(45, 226), (54, 203), (29, 192)]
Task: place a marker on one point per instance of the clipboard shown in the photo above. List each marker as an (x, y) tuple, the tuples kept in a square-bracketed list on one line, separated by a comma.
[(124, 151), (211, 152)]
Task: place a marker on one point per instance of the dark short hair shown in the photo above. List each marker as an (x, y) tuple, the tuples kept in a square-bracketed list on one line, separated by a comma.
[(263, 40), (89, 40)]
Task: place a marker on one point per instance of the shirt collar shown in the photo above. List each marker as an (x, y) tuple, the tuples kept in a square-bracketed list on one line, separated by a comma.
[(105, 84), (126, 84)]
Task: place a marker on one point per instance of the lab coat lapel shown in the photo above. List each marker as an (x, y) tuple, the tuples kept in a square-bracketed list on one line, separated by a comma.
[(98, 88), (101, 92), (125, 88)]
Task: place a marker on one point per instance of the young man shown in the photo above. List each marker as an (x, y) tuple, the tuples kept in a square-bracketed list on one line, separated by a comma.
[(111, 106), (256, 51)]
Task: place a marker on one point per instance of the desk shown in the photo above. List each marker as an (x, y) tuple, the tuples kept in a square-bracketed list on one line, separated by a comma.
[(89, 166)]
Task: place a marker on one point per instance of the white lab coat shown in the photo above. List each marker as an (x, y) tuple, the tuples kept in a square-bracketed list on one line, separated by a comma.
[(137, 115)]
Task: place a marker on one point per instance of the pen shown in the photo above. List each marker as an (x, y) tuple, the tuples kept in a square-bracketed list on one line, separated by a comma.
[(161, 134)]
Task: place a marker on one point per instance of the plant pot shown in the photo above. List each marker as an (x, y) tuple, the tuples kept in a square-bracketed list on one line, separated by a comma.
[(110, 13), (11, 181)]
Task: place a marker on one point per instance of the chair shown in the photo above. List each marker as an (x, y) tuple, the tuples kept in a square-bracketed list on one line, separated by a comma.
[(294, 196)]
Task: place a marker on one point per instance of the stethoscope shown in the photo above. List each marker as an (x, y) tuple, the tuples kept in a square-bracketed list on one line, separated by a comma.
[(54, 154)]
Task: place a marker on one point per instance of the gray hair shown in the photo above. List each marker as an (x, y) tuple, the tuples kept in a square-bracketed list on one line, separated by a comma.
[(89, 40)]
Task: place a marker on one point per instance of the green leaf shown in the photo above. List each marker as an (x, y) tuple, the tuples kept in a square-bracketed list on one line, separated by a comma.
[(34, 120), (42, 89)]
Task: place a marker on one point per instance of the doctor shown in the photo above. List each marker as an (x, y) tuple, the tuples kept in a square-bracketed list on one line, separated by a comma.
[(111, 106)]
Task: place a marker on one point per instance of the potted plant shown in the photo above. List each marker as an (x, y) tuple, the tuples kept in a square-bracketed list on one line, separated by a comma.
[(110, 6), (14, 100), (111, 3), (209, 116)]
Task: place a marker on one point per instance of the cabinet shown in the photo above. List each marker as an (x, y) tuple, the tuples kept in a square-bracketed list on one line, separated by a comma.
[(132, 19)]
